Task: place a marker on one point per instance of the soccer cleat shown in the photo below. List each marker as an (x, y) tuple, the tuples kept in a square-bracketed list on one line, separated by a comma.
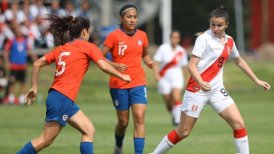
[(118, 150)]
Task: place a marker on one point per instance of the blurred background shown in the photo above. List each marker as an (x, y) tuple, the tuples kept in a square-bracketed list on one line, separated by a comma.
[(251, 26), (251, 21)]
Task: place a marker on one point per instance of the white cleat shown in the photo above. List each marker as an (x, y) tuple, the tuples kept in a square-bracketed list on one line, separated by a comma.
[(118, 150)]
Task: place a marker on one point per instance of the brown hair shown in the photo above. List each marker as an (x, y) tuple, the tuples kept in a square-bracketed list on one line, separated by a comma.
[(67, 28)]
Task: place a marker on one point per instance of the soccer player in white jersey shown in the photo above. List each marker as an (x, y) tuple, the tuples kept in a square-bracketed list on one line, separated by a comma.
[(211, 50), (173, 68)]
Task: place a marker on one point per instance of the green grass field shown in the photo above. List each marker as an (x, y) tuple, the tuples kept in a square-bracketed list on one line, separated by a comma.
[(211, 135)]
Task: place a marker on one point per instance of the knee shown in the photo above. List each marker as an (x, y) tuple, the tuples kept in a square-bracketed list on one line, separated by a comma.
[(184, 132), (123, 122), (239, 124), (89, 131), (139, 119)]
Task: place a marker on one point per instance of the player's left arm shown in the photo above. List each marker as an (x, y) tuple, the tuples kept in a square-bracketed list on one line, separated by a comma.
[(147, 59), (32, 93), (241, 63)]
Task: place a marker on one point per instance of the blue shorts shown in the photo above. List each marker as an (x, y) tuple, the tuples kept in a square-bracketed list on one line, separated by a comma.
[(123, 98), (59, 107)]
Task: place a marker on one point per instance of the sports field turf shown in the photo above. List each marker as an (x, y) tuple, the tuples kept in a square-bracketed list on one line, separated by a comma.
[(211, 135)]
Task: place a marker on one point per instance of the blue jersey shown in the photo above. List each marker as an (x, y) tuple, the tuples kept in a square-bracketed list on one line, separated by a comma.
[(18, 51)]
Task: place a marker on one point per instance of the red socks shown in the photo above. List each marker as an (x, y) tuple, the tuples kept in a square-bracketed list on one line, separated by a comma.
[(176, 103), (173, 137), (240, 133)]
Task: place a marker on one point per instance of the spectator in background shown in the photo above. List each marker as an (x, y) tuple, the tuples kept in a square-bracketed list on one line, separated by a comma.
[(3, 80), (5, 31), (55, 9), (69, 9), (15, 56), (30, 28), (38, 12), (4, 5), (84, 10), (15, 14)]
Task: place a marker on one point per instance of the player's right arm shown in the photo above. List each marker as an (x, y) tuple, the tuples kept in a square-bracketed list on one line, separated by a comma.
[(107, 68), (120, 67), (193, 70), (32, 93)]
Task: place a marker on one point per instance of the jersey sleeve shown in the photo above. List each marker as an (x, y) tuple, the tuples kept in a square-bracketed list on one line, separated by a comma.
[(200, 46), (110, 41), (158, 55), (96, 54), (234, 52), (50, 57)]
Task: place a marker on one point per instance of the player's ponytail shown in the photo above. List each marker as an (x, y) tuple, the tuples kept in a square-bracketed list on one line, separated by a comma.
[(220, 12), (65, 29)]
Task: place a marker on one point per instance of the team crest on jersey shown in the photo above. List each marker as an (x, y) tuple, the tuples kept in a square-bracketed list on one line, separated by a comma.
[(65, 117), (116, 102), (140, 42)]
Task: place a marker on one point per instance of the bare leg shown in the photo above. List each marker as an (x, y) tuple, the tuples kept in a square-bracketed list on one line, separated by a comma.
[(168, 102), (122, 124), (120, 130), (233, 117), (176, 95), (81, 122), (182, 131), (138, 112), (49, 133)]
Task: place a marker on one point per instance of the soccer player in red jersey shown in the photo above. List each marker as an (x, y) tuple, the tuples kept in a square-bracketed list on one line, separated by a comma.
[(128, 47), (210, 52), (72, 58)]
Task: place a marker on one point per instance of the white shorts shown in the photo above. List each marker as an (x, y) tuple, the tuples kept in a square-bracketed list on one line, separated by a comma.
[(171, 81), (193, 103)]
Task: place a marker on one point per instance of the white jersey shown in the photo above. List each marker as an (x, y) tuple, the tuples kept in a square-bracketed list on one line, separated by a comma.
[(209, 48), (166, 53)]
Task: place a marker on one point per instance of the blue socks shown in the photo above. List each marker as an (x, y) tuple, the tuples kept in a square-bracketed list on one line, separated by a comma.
[(119, 140), (139, 144), (27, 149), (86, 148)]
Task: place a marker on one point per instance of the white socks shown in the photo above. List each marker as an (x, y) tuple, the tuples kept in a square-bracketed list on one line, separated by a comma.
[(163, 146), (242, 145), (176, 114)]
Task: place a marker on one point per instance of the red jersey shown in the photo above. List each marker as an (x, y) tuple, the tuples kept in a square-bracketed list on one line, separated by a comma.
[(127, 50), (72, 62)]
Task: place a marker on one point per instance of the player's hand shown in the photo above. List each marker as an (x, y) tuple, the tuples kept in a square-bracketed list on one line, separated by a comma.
[(205, 86), (126, 78), (263, 84), (121, 67), (151, 64), (30, 96)]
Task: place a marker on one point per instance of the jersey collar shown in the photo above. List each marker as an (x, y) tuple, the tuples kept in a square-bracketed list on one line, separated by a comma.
[(131, 34)]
